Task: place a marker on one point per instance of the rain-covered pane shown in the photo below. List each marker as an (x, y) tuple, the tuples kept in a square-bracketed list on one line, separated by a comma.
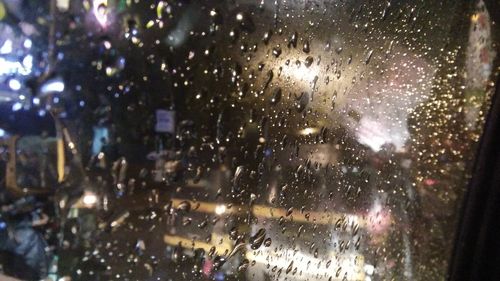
[(239, 139)]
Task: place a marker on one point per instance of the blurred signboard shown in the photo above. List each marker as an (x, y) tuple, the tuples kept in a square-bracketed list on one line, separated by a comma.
[(165, 121)]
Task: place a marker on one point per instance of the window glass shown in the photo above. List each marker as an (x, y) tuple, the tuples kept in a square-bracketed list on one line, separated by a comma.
[(238, 139)]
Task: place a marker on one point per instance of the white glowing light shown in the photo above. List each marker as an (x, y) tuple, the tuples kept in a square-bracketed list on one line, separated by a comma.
[(14, 84), (372, 134), (63, 5), (2, 133), (308, 131), (100, 11), (53, 86), (107, 45), (220, 209), (28, 61), (17, 106), (369, 269), (13, 67), (27, 43), (302, 73), (89, 199), (6, 47)]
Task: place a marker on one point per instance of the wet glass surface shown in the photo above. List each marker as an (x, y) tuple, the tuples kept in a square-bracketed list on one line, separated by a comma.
[(239, 140)]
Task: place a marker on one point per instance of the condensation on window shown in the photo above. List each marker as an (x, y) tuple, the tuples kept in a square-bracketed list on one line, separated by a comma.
[(241, 140)]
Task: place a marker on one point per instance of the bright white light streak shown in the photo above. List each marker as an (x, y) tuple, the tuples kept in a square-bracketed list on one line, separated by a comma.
[(54, 86)]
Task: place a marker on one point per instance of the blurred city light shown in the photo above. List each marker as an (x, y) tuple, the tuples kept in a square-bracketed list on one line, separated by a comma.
[(369, 269), (17, 106), (14, 84), (302, 73), (349, 265), (220, 209), (6, 47), (28, 43), (100, 10), (14, 67), (53, 86), (379, 219), (308, 131), (63, 5), (89, 199), (28, 62)]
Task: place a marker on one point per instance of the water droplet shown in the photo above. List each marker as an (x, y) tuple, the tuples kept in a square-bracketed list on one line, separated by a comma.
[(358, 243), (238, 247), (184, 206), (276, 96), (301, 102), (337, 274), (292, 41), (243, 265), (177, 254), (257, 240), (269, 78), (267, 242), (219, 261), (289, 268), (308, 62), (211, 252), (301, 229), (186, 221), (306, 47), (203, 224), (237, 176), (267, 36), (233, 233), (277, 51), (355, 229), (368, 56)]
